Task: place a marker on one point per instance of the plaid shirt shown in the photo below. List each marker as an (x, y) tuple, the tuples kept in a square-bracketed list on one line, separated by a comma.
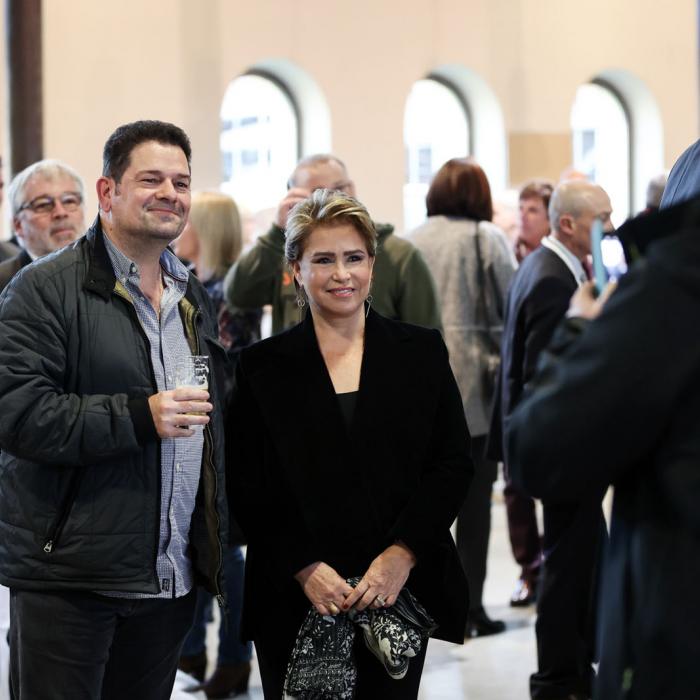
[(181, 458)]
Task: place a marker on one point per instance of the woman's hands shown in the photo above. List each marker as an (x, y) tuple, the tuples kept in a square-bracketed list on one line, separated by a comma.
[(322, 585), (379, 587), (384, 579)]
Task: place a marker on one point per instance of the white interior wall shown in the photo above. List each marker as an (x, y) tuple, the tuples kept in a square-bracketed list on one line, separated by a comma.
[(105, 64)]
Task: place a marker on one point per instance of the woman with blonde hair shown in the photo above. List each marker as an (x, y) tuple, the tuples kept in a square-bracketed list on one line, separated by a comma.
[(211, 242), (348, 462)]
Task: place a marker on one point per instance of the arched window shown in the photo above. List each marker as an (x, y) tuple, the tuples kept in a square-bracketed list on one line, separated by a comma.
[(259, 140), (601, 144), (436, 128)]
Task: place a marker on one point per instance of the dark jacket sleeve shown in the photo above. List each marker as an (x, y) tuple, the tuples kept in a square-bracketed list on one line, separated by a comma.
[(39, 420), (601, 404), (542, 311), (448, 471), (251, 282), (256, 490), (418, 301)]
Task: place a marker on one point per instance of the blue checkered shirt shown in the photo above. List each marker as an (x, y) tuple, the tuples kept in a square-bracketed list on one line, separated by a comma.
[(181, 458)]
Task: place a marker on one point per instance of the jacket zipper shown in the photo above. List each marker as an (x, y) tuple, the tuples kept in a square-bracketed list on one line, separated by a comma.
[(60, 521), (208, 464), (132, 310)]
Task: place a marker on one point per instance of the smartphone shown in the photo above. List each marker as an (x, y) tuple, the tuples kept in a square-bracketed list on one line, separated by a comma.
[(609, 260)]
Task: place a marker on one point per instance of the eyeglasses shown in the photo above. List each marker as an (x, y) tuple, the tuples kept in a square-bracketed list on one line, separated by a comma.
[(45, 204)]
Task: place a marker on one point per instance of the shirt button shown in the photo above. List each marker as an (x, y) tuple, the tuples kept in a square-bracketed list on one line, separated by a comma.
[(177, 466)]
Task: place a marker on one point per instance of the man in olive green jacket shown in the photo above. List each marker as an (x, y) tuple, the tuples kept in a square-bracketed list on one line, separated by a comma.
[(402, 287)]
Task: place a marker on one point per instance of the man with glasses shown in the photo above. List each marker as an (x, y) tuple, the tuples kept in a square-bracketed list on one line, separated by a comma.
[(402, 286), (47, 213)]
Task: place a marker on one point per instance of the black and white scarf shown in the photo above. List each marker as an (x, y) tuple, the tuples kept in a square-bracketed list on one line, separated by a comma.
[(322, 664)]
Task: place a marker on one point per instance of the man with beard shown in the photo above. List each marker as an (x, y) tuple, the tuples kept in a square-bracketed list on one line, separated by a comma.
[(47, 213), (113, 503)]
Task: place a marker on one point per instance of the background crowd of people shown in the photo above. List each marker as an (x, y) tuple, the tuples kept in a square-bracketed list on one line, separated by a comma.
[(355, 373)]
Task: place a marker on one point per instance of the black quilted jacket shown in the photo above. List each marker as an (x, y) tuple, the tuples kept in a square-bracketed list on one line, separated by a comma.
[(80, 457)]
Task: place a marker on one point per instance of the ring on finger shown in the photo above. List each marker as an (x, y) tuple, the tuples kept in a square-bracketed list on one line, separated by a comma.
[(333, 608), (380, 600)]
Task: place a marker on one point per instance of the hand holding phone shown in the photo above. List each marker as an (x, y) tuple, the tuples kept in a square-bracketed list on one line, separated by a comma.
[(608, 256)]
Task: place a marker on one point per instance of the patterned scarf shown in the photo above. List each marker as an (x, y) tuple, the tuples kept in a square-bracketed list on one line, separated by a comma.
[(322, 664)]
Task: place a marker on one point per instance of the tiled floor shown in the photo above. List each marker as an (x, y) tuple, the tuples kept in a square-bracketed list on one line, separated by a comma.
[(490, 668)]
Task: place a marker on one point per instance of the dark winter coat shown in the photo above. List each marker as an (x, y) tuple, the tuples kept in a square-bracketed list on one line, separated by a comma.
[(621, 405), (80, 465)]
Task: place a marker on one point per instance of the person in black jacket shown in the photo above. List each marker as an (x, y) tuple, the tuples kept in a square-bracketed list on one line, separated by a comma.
[(537, 301), (619, 398), (365, 474), (112, 504)]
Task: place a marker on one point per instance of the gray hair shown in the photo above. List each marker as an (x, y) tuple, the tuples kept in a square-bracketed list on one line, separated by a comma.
[(311, 161), (655, 190), (572, 197), (48, 169)]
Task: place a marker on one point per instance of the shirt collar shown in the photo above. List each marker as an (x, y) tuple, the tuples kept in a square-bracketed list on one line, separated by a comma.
[(126, 270), (568, 258)]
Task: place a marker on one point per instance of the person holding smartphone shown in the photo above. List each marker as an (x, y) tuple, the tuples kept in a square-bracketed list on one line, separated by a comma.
[(538, 299)]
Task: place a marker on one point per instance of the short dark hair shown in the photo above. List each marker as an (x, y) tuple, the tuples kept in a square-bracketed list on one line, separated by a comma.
[(460, 188), (537, 189), (117, 151)]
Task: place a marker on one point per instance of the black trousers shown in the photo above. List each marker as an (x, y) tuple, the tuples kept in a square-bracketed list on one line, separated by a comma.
[(523, 531), (84, 646), (474, 523), (565, 627)]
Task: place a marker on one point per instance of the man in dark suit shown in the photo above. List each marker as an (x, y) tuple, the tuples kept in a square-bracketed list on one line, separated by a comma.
[(620, 397), (46, 199), (537, 301)]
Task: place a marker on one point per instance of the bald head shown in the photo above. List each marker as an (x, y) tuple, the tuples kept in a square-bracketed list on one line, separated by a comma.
[(573, 208), (322, 171)]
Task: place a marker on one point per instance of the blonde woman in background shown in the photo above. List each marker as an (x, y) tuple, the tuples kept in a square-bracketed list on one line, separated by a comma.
[(211, 242)]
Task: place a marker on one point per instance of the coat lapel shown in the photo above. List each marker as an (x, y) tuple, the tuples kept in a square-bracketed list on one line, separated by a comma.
[(333, 452), (381, 385)]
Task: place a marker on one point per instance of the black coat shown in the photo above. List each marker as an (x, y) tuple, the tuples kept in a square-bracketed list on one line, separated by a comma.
[(621, 406), (8, 250), (318, 492), (80, 461), (10, 267), (538, 299)]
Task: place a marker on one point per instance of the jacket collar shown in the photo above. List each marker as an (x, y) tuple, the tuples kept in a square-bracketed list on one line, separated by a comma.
[(311, 382), (379, 332), (23, 258), (100, 276)]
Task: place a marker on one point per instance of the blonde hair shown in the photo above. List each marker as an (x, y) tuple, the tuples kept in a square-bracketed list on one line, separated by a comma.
[(217, 223), (326, 208)]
